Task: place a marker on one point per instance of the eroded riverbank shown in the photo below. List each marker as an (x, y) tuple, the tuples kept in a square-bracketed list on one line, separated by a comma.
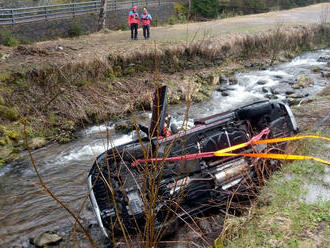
[(25, 213), (54, 100)]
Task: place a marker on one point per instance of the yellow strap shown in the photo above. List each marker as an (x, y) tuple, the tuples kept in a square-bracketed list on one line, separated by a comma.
[(273, 156), (225, 152), (233, 148), (266, 141)]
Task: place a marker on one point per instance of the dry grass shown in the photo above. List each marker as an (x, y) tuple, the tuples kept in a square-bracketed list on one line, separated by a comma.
[(176, 57)]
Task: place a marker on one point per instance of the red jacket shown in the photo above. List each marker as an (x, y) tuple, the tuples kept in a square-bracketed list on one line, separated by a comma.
[(133, 17), (146, 19)]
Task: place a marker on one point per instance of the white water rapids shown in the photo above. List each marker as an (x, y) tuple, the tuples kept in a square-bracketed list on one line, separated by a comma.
[(25, 210)]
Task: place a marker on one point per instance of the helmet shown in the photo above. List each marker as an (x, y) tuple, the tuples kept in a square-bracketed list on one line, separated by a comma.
[(167, 119), (134, 7)]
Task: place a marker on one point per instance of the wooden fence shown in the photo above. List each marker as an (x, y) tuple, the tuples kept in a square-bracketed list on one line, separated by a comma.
[(61, 11)]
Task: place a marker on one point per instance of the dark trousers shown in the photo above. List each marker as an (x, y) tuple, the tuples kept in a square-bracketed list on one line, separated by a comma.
[(134, 30), (146, 31)]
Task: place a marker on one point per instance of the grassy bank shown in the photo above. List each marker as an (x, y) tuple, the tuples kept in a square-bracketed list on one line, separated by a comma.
[(54, 100), (293, 208)]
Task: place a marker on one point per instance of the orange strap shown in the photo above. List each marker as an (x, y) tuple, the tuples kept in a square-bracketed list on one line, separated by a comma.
[(288, 139), (274, 156)]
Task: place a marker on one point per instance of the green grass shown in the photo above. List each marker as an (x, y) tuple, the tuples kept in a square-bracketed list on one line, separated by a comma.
[(280, 217), (8, 39)]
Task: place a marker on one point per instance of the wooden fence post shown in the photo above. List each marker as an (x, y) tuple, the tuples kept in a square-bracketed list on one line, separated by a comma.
[(46, 13), (102, 15), (73, 10), (12, 17)]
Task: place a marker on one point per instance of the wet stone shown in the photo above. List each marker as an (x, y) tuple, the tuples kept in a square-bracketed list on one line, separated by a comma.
[(326, 74), (303, 81), (222, 79), (26, 244), (230, 88), (37, 142), (297, 95), (296, 86), (124, 127), (286, 82), (205, 225), (323, 59), (214, 80), (293, 101), (224, 93), (265, 90), (274, 91), (261, 82), (271, 96), (316, 69), (289, 92), (278, 77), (221, 89), (233, 80), (47, 238), (252, 65)]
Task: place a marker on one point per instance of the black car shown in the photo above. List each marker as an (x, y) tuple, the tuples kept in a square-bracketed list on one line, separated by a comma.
[(123, 192)]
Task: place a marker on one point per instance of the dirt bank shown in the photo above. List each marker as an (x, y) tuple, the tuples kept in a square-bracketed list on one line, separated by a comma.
[(56, 87)]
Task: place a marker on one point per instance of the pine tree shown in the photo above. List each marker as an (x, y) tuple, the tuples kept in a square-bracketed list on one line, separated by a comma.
[(206, 8)]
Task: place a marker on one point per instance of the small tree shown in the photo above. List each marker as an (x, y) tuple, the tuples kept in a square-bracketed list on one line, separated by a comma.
[(206, 8)]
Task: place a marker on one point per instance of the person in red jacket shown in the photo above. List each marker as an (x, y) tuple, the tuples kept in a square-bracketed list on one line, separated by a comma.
[(146, 20), (133, 22)]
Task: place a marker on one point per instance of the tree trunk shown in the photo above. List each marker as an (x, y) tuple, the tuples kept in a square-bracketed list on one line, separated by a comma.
[(189, 9), (102, 16)]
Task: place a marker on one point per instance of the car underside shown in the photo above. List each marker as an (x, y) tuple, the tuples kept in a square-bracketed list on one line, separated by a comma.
[(124, 193)]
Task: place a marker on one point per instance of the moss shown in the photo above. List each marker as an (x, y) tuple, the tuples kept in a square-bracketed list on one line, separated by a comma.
[(52, 118), (117, 70), (4, 76), (8, 113), (2, 101), (129, 71), (13, 135), (80, 83), (199, 97), (3, 142), (68, 125), (65, 138), (124, 127)]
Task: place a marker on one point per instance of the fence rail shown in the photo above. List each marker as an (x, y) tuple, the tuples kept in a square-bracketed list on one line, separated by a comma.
[(61, 11)]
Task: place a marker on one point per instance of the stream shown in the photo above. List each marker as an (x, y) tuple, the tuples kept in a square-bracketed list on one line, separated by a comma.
[(25, 210)]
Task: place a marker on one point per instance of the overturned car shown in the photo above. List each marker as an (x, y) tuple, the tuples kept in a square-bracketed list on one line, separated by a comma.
[(124, 193)]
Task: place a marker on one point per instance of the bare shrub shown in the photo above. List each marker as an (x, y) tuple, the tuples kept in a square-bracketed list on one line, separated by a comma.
[(324, 17)]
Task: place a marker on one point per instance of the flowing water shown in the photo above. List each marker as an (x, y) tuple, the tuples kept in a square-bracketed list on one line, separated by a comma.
[(25, 210)]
